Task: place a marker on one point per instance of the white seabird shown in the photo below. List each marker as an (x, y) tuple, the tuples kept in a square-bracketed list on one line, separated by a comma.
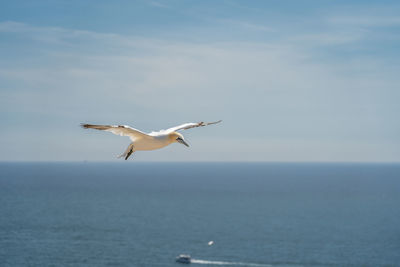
[(150, 141)]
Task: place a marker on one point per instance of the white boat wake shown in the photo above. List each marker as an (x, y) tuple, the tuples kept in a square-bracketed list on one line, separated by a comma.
[(229, 263)]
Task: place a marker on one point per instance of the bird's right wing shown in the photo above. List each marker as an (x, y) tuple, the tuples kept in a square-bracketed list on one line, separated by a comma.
[(122, 130), (190, 125), (184, 126)]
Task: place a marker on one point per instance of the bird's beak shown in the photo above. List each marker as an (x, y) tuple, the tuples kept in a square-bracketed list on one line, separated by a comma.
[(180, 140)]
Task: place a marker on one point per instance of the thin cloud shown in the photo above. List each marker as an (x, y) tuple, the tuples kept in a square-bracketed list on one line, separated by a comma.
[(365, 21), (157, 4), (59, 35), (328, 39), (246, 25)]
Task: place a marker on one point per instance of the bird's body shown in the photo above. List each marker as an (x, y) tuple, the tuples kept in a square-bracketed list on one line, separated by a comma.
[(153, 142), (142, 141)]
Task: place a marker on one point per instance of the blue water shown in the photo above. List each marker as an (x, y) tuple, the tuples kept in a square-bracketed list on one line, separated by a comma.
[(145, 214)]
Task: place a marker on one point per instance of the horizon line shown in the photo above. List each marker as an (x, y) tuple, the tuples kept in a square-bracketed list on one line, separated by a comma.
[(201, 161)]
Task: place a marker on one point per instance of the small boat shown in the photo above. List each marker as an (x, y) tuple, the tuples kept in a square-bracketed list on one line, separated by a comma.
[(183, 258)]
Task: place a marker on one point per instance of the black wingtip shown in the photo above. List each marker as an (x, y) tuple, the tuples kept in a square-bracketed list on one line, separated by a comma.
[(215, 122)]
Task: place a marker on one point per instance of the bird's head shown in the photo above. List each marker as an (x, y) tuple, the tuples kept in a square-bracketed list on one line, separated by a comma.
[(177, 137)]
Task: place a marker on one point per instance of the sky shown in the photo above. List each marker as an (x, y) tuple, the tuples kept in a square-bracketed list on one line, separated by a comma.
[(293, 81)]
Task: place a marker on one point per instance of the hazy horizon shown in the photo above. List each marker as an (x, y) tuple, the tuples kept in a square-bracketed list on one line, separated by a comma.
[(211, 162)]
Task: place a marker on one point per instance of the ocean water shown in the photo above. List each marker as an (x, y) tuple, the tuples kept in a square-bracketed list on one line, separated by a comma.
[(145, 214)]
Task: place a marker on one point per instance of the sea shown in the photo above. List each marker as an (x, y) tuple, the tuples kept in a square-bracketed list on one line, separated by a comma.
[(146, 214)]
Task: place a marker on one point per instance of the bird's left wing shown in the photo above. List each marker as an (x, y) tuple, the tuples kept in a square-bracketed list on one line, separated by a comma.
[(122, 130), (187, 126)]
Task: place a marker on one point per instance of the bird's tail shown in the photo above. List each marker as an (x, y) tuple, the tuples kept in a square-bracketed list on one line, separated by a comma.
[(128, 152)]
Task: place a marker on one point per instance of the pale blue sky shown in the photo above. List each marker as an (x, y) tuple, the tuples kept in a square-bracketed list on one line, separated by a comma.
[(291, 80)]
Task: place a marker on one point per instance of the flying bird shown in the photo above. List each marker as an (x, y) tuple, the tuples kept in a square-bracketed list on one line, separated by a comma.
[(148, 141)]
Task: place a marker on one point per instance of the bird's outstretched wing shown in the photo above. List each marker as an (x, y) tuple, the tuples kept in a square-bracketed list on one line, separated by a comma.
[(185, 126), (122, 130)]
